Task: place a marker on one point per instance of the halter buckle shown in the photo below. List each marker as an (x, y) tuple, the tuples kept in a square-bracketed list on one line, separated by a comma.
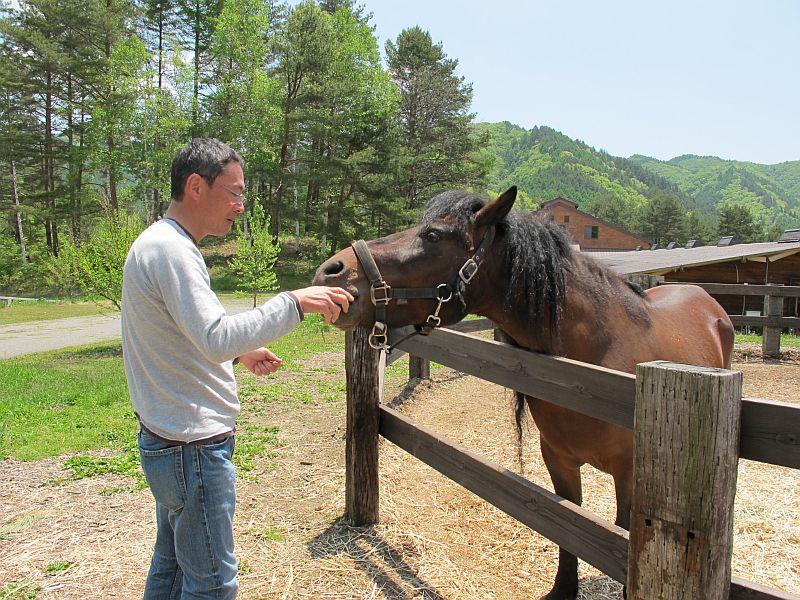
[(379, 337), (384, 288), (468, 271)]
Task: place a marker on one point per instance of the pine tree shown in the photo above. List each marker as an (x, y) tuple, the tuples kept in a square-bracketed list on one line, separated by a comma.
[(738, 221), (439, 146), (662, 219)]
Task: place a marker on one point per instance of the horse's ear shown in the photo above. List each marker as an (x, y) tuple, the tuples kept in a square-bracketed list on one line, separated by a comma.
[(496, 210)]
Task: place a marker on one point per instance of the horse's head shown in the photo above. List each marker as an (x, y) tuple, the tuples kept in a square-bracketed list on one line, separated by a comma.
[(426, 267)]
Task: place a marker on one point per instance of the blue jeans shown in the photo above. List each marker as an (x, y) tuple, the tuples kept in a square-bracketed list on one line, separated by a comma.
[(194, 489)]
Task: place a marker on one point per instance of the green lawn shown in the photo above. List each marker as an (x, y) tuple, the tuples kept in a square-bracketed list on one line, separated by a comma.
[(76, 400), (64, 401), (786, 340), (24, 311)]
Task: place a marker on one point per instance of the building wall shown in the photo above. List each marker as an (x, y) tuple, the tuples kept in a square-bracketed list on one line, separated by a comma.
[(608, 238), (783, 272)]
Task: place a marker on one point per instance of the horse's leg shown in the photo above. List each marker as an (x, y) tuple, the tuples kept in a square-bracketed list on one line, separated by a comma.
[(566, 476)]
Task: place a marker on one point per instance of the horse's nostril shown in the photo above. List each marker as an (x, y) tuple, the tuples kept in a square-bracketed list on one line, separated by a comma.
[(334, 267)]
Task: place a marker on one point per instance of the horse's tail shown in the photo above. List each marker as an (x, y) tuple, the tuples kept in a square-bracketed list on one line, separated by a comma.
[(519, 421), (726, 337)]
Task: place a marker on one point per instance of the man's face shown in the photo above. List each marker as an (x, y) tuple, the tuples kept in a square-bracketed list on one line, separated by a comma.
[(222, 201)]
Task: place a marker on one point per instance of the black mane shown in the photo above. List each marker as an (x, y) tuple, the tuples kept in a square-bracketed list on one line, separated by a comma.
[(537, 251)]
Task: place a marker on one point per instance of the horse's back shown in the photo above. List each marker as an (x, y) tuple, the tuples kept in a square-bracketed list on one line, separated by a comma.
[(690, 325)]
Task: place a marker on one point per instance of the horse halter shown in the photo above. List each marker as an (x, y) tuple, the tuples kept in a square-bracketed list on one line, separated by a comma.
[(381, 293)]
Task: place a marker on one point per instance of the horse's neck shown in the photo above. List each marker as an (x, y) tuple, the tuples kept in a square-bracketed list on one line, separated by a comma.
[(581, 335)]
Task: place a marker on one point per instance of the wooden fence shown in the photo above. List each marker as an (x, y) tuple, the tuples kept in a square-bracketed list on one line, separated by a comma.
[(670, 533), (772, 319)]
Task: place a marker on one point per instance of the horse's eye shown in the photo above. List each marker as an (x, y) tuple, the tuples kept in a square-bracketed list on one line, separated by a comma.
[(431, 235)]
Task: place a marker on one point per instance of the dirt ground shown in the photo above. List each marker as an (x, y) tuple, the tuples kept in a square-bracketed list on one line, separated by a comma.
[(435, 540)]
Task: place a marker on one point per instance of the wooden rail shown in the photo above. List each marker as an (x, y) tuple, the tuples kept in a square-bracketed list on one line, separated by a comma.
[(770, 430), (768, 433)]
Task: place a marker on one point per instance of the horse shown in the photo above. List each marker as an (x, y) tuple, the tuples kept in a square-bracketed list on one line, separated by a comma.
[(472, 255)]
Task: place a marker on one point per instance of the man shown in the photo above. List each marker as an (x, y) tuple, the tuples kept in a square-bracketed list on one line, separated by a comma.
[(178, 347)]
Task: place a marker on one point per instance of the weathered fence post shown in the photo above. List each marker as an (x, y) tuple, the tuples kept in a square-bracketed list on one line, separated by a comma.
[(418, 367), (771, 345), (364, 380), (686, 437)]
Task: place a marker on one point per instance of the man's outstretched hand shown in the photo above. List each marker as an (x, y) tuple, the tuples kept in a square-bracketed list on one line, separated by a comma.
[(326, 301)]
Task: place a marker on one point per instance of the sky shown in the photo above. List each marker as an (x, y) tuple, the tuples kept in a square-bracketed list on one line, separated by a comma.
[(653, 77)]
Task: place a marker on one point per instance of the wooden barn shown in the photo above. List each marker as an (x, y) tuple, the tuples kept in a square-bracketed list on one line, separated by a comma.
[(769, 263), (588, 232)]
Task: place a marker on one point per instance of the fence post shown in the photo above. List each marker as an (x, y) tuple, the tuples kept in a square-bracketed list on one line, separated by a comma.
[(686, 441), (363, 423), (771, 345), (418, 367)]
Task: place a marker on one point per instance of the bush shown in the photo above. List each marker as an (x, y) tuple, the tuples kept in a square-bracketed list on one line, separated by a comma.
[(95, 266)]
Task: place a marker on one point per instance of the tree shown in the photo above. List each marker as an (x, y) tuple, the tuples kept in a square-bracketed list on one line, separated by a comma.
[(304, 48), (95, 267), (348, 131), (738, 221), (439, 147), (255, 258), (698, 228), (662, 219), (197, 19)]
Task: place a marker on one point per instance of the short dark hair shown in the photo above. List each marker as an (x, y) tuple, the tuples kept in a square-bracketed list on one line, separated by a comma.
[(205, 156)]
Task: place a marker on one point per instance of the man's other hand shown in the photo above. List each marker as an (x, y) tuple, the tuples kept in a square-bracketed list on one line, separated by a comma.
[(260, 361)]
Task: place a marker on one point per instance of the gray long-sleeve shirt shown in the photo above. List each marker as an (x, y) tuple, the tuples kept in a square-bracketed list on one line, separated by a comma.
[(178, 343)]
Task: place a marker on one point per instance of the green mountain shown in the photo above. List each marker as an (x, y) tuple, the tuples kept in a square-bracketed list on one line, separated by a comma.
[(545, 163), (770, 192)]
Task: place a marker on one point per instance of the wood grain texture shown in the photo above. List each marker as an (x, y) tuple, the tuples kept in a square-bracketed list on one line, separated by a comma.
[(685, 467), (363, 421)]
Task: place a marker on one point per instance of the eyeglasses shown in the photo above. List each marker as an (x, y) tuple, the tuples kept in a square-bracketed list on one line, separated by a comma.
[(239, 196)]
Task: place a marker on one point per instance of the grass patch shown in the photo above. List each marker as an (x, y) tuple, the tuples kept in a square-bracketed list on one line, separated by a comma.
[(125, 462), (59, 567), (786, 339), (21, 523), (23, 312), (251, 442), (61, 402), (75, 401), (269, 534), (20, 590)]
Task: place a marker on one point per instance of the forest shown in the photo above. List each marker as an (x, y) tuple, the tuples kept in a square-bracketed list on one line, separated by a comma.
[(342, 138), (98, 95)]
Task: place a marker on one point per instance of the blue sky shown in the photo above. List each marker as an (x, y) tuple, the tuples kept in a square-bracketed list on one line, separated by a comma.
[(707, 77)]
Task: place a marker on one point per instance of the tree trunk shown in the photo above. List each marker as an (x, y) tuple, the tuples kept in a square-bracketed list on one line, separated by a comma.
[(112, 177), (196, 96), (15, 194), (51, 228), (323, 245), (295, 204)]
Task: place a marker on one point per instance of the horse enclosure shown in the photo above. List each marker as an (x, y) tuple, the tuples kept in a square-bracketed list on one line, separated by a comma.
[(680, 544)]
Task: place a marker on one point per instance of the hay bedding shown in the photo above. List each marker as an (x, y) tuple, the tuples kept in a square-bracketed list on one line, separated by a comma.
[(435, 541)]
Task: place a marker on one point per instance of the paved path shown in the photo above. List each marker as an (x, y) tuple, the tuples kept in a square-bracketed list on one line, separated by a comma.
[(38, 336)]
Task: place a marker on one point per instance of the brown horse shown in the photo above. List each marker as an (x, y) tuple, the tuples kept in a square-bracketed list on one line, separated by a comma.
[(473, 256)]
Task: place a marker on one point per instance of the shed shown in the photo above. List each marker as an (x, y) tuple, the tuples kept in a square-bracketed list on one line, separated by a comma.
[(761, 263)]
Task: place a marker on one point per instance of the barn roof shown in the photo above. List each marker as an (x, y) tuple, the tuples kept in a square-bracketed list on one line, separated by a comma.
[(661, 262)]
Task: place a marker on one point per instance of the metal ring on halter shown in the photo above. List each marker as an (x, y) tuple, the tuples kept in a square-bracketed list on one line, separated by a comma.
[(379, 338), (440, 298)]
